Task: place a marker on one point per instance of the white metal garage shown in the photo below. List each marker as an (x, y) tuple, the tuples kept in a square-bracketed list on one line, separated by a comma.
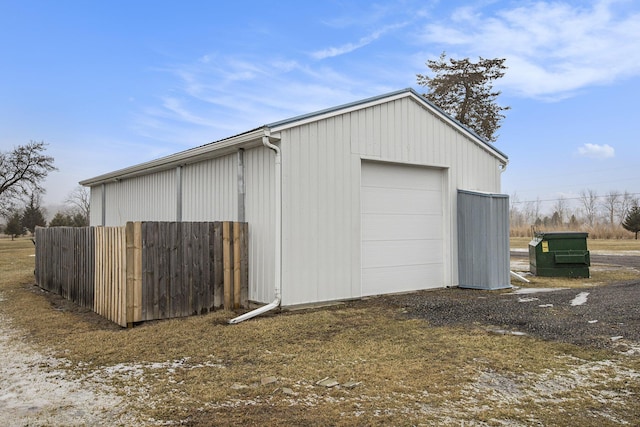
[(402, 228), (355, 200)]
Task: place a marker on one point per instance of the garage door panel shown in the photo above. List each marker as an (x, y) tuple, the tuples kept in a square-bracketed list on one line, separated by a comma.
[(401, 253), (400, 227), (384, 280), (391, 175), (389, 200)]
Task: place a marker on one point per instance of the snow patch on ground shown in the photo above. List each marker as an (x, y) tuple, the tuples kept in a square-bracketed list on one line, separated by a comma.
[(580, 299), (36, 389)]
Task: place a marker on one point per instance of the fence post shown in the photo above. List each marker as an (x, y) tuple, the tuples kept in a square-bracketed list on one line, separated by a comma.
[(133, 236), (226, 260), (236, 266)]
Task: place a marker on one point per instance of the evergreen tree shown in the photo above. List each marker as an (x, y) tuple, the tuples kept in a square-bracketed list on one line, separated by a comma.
[(79, 220), (14, 226), (68, 220), (464, 90), (33, 216), (632, 221), (60, 220)]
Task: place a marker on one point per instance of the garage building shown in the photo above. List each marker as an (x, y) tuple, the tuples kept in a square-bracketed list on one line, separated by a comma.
[(356, 200)]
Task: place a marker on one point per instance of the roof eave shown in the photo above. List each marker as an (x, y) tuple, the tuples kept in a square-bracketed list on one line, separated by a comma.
[(193, 155), (474, 136), (403, 93)]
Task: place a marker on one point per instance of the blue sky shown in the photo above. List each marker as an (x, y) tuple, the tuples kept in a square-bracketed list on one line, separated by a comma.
[(114, 83)]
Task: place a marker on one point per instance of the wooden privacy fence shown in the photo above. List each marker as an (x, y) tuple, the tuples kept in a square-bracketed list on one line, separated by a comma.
[(146, 270)]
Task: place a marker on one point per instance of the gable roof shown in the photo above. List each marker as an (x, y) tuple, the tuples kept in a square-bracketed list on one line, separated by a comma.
[(254, 137)]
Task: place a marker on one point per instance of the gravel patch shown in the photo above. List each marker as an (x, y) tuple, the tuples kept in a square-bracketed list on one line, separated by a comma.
[(601, 317)]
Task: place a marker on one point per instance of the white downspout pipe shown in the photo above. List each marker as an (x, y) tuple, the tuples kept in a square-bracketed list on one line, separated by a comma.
[(278, 241)]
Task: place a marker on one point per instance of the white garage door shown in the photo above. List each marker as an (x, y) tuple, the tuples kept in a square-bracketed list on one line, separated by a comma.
[(402, 228)]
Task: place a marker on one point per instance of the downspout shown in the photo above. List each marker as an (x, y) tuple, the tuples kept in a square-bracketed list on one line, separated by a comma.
[(278, 241)]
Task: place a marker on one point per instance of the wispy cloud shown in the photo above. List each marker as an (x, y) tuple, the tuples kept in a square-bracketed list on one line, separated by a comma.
[(552, 48), (595, 151), (350, 47), (220, 95)]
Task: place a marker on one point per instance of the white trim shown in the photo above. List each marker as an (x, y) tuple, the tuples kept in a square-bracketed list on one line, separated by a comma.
[(193, 155), (338, 111), (403, 162)]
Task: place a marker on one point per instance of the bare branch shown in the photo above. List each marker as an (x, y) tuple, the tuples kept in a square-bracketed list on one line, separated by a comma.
[(22, 171)]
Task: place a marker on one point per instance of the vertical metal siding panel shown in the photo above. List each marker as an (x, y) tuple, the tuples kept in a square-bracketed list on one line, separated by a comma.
[(292, 204), (323, 202), (144, 198), (372, 130), (210, 190), (332, 225), (483, 226), (310, 142), (95, 201), (395, 135), (260, 211), (316, 212), (384, 130), (423, 137), (436, 141)]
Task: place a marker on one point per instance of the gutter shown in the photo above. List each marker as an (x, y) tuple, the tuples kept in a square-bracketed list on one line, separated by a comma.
[(278, 241), (224, 146)]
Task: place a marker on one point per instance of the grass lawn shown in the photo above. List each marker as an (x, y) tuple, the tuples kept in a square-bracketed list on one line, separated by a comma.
[(390, 370)]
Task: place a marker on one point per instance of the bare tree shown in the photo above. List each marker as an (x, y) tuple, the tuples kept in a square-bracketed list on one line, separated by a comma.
[(627, 201), (560, 206), (22, 172), (611, 206), (515, 216), (589, 201), (79, 202)]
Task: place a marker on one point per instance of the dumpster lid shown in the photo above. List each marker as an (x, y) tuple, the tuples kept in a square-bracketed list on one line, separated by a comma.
[(552, 235)]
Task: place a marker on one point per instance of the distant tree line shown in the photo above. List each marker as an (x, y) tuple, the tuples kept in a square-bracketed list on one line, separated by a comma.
[(75, 213), (590, 211)]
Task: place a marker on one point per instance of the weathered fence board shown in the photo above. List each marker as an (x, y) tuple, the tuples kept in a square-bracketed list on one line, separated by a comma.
[(66, 263), (133, 232), (146, 271), (179, 264)]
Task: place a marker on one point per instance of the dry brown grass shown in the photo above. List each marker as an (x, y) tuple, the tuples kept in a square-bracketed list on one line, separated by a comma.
[(596, 231), (201, 371)]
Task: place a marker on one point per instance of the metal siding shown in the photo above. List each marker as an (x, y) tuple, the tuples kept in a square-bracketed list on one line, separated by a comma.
[(483, 240), (260, 214), (95, 202), (317, 200), (210, 190), (321, 190), (144, 198)]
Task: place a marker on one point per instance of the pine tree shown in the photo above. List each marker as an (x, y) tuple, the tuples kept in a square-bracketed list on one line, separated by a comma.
[(33, 216), (632, 221), (60, 220), (14, 226), (464, 90)]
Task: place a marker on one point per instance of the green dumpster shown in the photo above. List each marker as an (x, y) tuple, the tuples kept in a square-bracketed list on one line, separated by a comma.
[(559, 254)]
